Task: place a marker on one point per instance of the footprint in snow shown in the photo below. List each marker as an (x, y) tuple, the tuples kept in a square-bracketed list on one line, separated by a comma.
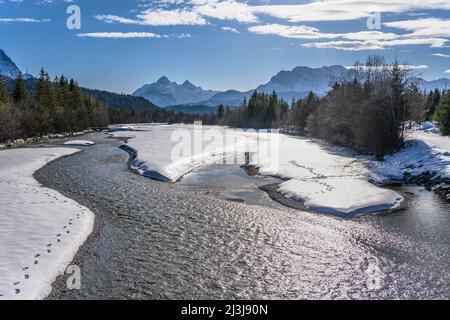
[(26, 277), (17, 291)]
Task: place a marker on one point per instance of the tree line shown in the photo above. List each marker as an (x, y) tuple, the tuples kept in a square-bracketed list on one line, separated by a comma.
[(260, 111), (368, 112), (56, 106), (35, 108)]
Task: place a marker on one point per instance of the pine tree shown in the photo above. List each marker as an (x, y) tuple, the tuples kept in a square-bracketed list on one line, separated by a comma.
[(4, 95), (252, 104), (20, 93), (442, 115), (220, 111)]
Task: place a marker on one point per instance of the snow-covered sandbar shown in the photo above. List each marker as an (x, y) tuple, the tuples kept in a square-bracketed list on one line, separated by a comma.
[(324, 178), (79, 143), (40, 229)]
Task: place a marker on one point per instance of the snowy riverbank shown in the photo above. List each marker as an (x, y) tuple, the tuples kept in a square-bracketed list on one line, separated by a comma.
[(324, 178), (41, 230), (424, 161)]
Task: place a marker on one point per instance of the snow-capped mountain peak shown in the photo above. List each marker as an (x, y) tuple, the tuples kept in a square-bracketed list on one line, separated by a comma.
[(7, 66), (166, 93)]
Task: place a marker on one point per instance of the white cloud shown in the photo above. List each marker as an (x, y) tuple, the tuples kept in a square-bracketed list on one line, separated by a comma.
[(346, 45), (422, 28), (119, 35), (353, 41), (298, 32), (324, 10), (448, 71), (22, 20), (388, 67), (230, 29), (337, 10), (193, 12), (374, 44), (226, 10), (433, 32), (441, 55), (108, 18), (306, 32), (170, 17), (158, 17)]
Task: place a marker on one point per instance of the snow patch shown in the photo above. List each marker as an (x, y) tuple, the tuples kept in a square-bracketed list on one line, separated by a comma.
[(424, 152), (40, 229), (79, 143), (326, 178), (343, 197)]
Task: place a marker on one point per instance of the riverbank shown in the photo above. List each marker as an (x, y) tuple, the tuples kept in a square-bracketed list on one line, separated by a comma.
[(50, 138), (424, 161), (41, 229)]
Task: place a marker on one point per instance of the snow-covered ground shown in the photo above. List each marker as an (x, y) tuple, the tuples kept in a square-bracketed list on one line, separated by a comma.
[(162, 157), (79, 143), (425, 151), (328, 179), (40, 229)]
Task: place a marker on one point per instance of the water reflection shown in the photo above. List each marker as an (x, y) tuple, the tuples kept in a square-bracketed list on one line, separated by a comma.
[(177, 241)]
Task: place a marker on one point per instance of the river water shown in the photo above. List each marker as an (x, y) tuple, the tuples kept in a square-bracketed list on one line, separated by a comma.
[(214, 235)]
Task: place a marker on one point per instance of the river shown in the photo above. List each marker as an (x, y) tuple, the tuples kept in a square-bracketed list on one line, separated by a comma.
[(205, 238)]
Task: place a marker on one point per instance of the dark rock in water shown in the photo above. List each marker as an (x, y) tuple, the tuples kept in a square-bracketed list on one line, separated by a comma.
[(431, 181)]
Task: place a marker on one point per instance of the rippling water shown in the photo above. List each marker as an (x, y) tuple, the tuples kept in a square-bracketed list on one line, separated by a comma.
[(198, 240)]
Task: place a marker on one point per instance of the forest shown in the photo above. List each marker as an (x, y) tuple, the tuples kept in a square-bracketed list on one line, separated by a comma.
[(57, 106), (38, 107)]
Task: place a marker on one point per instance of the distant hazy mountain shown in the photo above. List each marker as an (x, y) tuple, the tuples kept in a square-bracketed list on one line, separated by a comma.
[(7, 66), (297, 83), (301, 80), (441, 84), (166, 93)]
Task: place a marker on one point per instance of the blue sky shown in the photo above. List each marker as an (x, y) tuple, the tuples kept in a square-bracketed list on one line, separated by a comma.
[(219, 44)]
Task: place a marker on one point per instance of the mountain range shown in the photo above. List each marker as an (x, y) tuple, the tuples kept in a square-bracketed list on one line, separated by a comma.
[(167, 93), (294, 84)]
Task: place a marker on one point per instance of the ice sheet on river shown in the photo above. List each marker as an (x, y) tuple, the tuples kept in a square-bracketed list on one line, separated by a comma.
[(40, 229), (327, 179)]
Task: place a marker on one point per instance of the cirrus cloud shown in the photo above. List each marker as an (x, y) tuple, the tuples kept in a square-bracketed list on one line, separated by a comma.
[(119, 35)]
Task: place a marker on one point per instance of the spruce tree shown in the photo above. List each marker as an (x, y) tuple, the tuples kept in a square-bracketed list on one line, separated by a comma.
[(4, 95), (20, 93), (220, 111)]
